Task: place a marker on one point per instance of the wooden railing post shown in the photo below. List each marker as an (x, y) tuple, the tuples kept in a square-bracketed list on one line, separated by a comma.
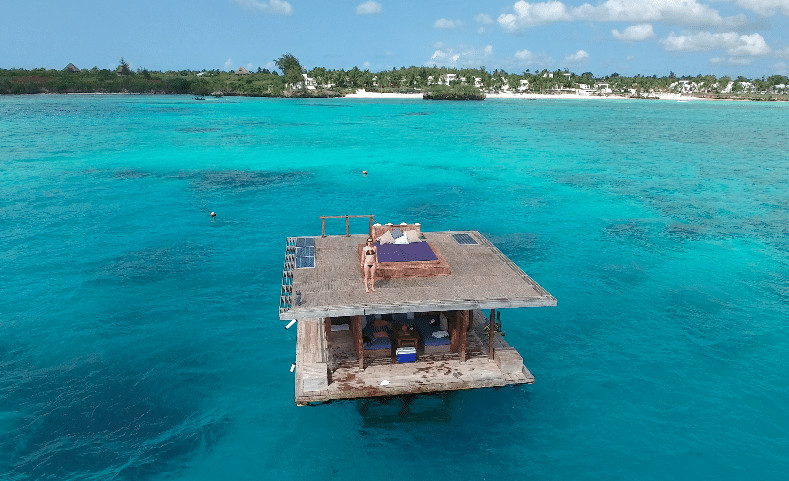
[(370, 231), (347, 226), (323, 226)]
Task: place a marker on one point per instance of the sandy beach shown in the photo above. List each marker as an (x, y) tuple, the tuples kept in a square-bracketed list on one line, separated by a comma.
[(363, 94)]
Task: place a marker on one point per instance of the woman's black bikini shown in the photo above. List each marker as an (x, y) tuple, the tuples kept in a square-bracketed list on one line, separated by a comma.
[(369, 253)]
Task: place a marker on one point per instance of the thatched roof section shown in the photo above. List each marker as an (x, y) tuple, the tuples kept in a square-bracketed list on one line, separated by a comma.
[(71, 67), (242, 71)]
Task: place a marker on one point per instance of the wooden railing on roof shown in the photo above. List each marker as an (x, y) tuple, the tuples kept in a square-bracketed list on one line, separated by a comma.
[(347, 223)]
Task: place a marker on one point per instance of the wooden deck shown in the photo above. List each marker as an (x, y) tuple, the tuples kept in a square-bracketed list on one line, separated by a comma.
[(481, 278), (327, 369)]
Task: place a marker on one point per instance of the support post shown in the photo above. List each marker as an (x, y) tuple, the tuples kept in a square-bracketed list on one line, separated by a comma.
[(463, 334), (491, 332), (329, 361), (356, 325), (323, 226), (370, 230), (347, 226)]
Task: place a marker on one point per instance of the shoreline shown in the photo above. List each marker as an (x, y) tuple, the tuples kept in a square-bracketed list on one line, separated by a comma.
[(363, 94)]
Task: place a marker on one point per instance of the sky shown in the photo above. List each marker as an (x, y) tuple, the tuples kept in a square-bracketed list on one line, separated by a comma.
[(629, 37)]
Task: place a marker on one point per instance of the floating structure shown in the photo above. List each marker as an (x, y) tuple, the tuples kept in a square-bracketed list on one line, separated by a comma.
[(433, 323)]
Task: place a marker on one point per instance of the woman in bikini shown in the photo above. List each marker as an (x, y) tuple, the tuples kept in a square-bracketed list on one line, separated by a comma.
[(369, 262)]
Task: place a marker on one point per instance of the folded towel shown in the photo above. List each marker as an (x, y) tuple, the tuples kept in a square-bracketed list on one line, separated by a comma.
[(440, 334), (340, 327)]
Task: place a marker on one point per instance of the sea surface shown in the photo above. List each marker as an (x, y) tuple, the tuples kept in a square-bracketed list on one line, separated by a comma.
[(139, 337)]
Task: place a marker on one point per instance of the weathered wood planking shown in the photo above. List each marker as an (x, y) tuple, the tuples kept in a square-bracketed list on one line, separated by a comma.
[(482, 278)]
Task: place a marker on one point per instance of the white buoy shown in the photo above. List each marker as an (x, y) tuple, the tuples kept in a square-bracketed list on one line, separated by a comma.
[(290, 324), (293, 367), (213, 214)]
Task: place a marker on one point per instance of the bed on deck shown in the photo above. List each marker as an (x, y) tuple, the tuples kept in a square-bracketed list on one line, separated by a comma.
[(405, 255)]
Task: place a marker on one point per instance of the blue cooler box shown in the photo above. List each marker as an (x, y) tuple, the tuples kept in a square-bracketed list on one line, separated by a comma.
[(406, 354)]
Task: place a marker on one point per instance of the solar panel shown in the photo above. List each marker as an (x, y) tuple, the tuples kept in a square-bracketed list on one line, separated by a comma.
[(305, 252), (464, 239)]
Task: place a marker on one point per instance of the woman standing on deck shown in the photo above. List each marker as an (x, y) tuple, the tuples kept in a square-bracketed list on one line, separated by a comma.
[(369, 262)]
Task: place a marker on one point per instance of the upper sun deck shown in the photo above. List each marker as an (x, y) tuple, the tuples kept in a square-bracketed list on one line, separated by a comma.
[(481, 278)]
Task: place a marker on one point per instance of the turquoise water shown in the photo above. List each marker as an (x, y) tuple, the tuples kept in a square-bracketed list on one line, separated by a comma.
[(140, 339)]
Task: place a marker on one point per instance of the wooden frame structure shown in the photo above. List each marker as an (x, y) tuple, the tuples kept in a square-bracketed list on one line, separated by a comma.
[(334, 360)]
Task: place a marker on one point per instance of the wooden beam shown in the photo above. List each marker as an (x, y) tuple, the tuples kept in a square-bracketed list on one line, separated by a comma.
[(323, 226), (491, 332), (356, 328), (463, 334), (347, 226)]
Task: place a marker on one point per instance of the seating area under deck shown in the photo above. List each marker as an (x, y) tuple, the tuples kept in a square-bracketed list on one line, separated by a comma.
[(328, 369)]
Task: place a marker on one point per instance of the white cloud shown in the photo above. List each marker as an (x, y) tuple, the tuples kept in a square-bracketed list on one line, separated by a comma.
[(481, 30), (634, 33), (682, 12), (527, 58), (736, 45), (525, 55), (765, 7), (447, 24), (576, 58), (530, 14), (782, 53), (730, 60), (228, 63), (469, 57), (484, 19), (445, 57), (739, 60), (368, 8), (274, 7)]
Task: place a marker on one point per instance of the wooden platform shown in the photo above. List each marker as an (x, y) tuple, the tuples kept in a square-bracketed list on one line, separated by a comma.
[(481, 278), (328, 369)]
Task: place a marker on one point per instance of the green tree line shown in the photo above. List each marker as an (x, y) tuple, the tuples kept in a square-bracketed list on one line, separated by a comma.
[(290, 81)]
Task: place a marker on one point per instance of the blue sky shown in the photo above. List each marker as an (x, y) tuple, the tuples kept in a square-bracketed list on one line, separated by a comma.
[(731, 37)]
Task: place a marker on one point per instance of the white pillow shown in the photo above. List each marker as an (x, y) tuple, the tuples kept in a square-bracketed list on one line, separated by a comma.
[(386, 238), (403, 239), (413, 236)]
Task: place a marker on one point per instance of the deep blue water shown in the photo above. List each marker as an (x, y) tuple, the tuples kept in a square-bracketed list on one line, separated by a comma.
[(139, 338)]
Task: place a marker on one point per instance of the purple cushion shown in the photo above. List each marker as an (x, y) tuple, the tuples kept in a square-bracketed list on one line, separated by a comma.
[(418, 251), (390, 253)]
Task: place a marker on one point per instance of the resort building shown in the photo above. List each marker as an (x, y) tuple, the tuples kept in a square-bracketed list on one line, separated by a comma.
[(309, 82), (432, 324), (242, 71)]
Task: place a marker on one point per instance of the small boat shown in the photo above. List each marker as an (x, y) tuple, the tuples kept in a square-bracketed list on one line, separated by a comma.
[(199, 97)]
